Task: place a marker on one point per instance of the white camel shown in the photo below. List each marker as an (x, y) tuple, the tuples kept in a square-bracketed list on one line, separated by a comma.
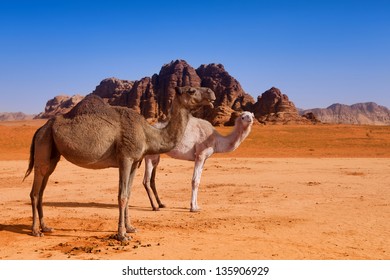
[(199, 142)]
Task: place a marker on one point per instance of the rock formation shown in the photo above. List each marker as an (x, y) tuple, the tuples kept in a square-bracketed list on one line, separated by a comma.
[(361, 113), (275, 108), (60, 104), (230, 95), (152, 96)]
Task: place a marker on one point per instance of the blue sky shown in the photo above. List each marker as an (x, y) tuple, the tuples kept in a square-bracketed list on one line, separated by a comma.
[(316, 52)]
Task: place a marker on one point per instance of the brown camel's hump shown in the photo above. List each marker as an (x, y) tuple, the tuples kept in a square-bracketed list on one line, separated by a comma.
[(91, 104)]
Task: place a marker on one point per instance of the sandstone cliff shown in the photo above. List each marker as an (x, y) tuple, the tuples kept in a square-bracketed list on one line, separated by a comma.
[(276, 108), (60, 104), (152, 96)]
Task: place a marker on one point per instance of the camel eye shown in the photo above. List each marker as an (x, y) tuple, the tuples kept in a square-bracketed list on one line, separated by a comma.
[(191, 91)]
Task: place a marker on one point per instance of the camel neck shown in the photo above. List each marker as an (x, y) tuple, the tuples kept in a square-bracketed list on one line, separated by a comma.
[(231, 141), (172, 133)]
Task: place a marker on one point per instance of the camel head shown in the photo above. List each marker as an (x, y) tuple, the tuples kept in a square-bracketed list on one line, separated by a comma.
[(246, 118), (192, 98)]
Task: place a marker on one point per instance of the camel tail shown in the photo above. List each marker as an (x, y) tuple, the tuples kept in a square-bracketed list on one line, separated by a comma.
[(31, 161)]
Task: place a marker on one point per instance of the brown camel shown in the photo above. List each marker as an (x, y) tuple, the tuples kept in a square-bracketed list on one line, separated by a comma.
[(95, 135)]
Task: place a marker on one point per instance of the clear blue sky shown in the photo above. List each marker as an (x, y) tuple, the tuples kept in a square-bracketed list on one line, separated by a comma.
[(316, 52)]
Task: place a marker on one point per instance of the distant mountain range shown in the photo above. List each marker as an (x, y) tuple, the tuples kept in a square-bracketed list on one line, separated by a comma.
[(18, 116), (359, 113)]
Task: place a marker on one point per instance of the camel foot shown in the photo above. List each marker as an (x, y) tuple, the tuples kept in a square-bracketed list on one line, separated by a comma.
[(195, 210), (37, 233), (47, 229), (121, 237), (156, 208), (130, 229), (162, 206)]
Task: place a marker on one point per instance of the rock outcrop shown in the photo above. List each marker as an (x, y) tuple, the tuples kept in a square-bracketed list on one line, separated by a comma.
[(228, 91), (275, 108), (60, 104), (368, 113), (152, 96)]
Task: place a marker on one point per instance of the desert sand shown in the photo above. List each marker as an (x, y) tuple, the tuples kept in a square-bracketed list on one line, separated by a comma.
[(288, 192)]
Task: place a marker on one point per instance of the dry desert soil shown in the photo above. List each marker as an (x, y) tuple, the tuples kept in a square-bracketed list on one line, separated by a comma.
[(288, 192)]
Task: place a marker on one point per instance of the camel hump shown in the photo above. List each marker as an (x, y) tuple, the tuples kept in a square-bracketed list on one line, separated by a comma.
[(91, 104)]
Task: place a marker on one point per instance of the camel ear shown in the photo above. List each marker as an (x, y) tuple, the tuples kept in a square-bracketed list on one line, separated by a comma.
[(178, 90)]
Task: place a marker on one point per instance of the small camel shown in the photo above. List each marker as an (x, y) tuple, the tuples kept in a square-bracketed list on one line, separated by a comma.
[(199, 142), (95, 135)]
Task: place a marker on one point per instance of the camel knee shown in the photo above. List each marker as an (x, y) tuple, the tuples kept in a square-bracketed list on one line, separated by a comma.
[(33, 197), (41, 169), (195, 183)]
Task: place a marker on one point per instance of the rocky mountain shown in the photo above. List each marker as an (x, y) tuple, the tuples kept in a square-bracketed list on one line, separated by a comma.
[(275, 107), (15, 116), (152, 96), (360, 113), (60, 104)]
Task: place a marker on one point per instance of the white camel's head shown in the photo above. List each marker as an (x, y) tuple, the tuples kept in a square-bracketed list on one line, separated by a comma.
[(246, 118)]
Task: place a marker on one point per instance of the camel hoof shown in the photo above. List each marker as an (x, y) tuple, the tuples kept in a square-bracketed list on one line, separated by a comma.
[(47, 229), (131, 230), (121, 237), (156, 209), (37, 233), (162, 206), (194, 210)]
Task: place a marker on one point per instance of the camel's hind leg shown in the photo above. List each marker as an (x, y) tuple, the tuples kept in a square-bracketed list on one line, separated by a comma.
[(36, 195), (46, 158)]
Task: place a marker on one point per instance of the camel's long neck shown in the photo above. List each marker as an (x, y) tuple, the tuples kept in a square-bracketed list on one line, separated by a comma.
[(169, 136), (231, 141)]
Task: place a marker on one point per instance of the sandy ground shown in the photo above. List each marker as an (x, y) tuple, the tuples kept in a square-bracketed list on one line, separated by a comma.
[(252, 208)]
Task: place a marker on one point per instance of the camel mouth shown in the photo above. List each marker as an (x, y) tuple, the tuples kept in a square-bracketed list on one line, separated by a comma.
[(210, 102)]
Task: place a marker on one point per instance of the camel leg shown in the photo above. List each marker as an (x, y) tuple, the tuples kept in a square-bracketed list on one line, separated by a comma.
[(34, 195), (199, 163), (125, 173), (153, 185), (41, 176), (200, 160), (129, 227), (151, 162), (46, 158)]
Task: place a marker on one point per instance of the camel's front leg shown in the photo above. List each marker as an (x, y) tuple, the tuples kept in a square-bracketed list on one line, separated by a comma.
[(151, 163), (199, 163), (153, 186), (200, 160), (124, 190), (129, 227)]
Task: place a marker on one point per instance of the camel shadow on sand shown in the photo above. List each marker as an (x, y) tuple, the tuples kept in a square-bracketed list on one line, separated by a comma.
[(71, 204), (18, 228)]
